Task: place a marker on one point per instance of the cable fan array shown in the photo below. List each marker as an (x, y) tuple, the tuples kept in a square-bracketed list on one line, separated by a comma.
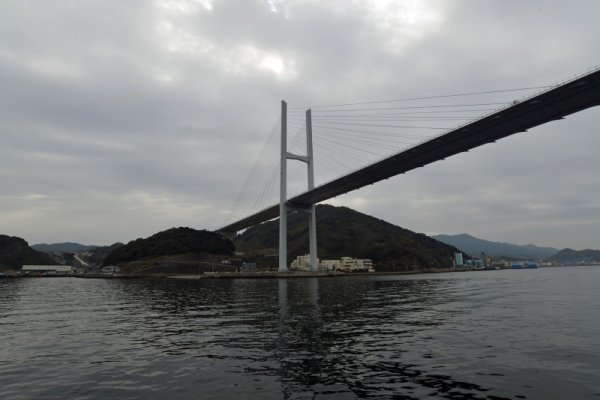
[(350, 136)]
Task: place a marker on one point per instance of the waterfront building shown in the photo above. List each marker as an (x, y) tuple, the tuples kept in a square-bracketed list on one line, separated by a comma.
[(302, 263), (345, 264), (110, 269), (524, 265), (350, 264), (475, 263), (47, 269), (458, 259), (331, 265), (248, 267), (232, 261)]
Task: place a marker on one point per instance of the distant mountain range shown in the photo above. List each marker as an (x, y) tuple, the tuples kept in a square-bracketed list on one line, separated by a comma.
[(67, 247), (474, 246)]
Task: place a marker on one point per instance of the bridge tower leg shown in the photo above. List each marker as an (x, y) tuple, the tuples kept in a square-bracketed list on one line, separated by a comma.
[(283, 206), (283, 192), (312, 219)]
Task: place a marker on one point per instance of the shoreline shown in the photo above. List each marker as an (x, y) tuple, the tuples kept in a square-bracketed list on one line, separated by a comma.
[(303, 274), (251, 275), (236, 275), (262, 275)]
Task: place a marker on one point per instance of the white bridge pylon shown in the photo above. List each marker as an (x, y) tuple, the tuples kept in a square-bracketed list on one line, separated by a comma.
[(284, 207)]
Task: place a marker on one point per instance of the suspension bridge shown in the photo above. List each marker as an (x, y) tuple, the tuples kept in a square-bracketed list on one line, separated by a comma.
[(380, 136)]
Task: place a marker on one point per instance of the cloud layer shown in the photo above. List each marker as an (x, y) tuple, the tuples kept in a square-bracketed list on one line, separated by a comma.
[(120, 119)]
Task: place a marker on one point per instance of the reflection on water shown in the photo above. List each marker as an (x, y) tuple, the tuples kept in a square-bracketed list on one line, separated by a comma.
[(452, 336)]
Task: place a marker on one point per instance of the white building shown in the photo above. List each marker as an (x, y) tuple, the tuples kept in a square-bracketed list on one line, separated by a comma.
[(331, 265), (345, 264), (349, 264), (302, 263), (110, 269), (46, 269)]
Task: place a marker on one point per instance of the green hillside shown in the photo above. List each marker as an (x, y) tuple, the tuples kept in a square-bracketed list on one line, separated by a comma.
[(570, 256), (342, 231), (98, 254), (171, 242), (15, 252), (67, 247)]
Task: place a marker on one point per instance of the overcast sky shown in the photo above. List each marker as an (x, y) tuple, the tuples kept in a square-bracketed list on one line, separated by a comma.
[(120, 119)]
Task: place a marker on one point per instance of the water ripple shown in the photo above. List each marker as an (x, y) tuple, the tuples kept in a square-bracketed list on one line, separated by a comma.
[(485, 335)]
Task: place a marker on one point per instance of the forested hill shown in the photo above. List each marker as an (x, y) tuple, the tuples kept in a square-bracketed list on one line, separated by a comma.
[(570, 256), (342, 231), (67, 247), (171, 242), (15, 252)]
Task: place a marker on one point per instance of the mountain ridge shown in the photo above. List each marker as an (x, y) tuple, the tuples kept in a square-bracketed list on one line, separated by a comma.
[(342, 231), (568, 256), (64, 247), (15, 252), (474, 246), (174, 241)]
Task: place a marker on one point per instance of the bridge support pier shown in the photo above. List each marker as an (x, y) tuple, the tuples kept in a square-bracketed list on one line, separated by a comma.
[(310, 172), (283, 205), (283, 192), (312, 239)]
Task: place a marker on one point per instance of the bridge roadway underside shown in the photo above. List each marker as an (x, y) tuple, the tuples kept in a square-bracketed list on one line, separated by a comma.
[(555, 104)]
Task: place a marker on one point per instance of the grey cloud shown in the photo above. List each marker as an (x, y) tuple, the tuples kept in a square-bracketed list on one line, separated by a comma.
[(124, 118)]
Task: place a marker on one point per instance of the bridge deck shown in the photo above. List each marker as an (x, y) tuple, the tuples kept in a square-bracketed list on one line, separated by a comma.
[(554, 104)]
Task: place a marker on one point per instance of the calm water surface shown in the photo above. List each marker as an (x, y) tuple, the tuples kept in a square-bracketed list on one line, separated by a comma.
[(531, 334)]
